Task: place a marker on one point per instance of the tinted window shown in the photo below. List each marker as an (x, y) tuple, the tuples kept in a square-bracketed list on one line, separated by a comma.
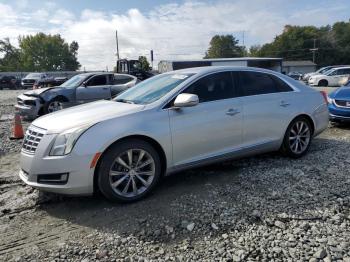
[(344, 71), (256, 83), (213, 87), (280, 85), (98, 80), (119, 80)]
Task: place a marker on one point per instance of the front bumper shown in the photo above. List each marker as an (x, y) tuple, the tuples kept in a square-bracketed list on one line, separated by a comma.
[(336, 113), (25, 109), (80, 175), (312, 82)]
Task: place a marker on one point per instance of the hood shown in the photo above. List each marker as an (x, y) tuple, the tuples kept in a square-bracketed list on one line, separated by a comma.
[(342, 93), (317, 75), (90, 113), (37, 92)]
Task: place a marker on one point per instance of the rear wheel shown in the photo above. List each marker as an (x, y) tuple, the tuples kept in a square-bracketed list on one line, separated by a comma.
[(129, 170), (323, 83), (297, 138)]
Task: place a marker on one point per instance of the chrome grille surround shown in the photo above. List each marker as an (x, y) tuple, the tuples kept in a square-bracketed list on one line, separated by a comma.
[(32, 139)]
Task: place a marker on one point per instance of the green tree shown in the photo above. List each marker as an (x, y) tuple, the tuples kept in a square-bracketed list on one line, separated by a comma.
[(10, 60), (43, 52), (297, 42), (144, 63), (224, 46)]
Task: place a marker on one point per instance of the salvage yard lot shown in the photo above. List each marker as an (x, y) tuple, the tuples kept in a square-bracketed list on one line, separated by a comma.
[(256, 209)]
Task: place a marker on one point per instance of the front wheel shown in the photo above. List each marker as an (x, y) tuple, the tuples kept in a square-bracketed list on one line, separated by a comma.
[(323, 83), (54, 105), (297, 138), (129, 170)]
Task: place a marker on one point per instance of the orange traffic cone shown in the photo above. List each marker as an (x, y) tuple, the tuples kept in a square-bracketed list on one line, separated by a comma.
[(17, 130)]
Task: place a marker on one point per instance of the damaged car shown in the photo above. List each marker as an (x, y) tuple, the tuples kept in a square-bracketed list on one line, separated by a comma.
[(80, 89)]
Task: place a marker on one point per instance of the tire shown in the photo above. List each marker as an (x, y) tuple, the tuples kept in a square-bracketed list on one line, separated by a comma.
[(297, 138), (323, 83), (54, 105), (117, 181)]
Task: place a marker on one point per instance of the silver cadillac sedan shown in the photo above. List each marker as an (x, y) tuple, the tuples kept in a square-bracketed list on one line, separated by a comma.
[(170, 122)]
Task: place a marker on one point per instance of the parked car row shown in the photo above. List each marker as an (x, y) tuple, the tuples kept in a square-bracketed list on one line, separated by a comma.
[(30, 81), (167, 123), (82, 88), (336, 75)]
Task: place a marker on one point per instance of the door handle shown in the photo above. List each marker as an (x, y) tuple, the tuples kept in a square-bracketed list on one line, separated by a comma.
[(232, 112), (105, 88), (284, 104)]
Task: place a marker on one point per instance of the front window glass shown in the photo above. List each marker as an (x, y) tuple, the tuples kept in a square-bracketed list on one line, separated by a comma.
[(152, 89), (213, 87), (99, 80)]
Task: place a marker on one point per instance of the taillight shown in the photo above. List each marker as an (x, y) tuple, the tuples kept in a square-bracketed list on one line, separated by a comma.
[(324, 94)]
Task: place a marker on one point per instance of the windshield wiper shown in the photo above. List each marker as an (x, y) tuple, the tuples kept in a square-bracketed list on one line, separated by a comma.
[(125, 101)]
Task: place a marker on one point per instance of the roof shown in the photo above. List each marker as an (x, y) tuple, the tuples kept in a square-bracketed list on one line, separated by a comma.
[(298, 63), (210, 69), (227, 59)]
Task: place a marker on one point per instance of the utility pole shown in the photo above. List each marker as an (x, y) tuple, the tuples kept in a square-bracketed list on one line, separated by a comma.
[(116, 38), (243, 37), (313, 50)]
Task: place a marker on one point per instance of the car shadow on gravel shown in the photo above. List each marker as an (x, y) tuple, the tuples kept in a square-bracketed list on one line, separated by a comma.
[(222, 197)]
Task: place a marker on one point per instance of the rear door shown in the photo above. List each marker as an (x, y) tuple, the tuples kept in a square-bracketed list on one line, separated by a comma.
[(267, 107), (97, 87), (211, 128)]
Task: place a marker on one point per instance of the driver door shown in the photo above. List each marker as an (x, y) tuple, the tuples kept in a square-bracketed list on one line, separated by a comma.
[(211, 128), (95, 88)]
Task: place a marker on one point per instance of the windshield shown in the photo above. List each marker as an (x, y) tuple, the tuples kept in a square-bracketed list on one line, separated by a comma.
[(152, 89), (74, 81), (33, 75)]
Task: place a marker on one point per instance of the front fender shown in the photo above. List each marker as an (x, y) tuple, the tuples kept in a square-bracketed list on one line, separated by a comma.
[(154, 125)]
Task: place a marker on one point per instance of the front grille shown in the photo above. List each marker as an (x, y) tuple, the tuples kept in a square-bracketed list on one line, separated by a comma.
[(31, 140), (342, 103)]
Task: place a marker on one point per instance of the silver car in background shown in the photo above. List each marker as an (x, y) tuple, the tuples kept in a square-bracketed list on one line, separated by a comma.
[(80, 89), (168, 123)]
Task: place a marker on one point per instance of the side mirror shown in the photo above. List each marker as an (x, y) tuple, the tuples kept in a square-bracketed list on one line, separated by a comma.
[(186, 100), (84, 84)]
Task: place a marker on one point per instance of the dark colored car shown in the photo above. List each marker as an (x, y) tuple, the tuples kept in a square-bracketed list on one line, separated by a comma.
[(9, 82), (339, 104), (296, 75), (30, 79)]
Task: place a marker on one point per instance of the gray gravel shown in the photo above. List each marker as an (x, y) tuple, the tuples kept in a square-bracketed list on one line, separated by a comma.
[(264, 208)]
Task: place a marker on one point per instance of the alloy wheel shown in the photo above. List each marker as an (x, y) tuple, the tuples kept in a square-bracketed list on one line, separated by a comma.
[(299, 137), (54, 106), (132, 172)]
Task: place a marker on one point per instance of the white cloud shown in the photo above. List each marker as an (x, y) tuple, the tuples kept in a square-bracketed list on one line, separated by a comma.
[(172, 30)]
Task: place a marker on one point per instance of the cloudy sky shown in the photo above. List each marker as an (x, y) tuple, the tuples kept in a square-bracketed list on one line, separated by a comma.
[(173, 29)]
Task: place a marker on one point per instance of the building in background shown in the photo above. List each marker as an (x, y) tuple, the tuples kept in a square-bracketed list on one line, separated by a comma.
[(298, 66), (262, 62)]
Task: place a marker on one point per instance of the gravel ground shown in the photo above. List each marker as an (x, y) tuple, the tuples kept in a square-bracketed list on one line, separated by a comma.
[(264, 208)]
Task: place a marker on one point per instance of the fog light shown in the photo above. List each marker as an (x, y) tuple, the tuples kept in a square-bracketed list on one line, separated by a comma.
[(56, 179)]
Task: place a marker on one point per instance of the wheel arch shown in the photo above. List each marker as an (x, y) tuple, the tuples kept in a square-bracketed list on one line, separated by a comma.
[(145, 138), (308, 117)]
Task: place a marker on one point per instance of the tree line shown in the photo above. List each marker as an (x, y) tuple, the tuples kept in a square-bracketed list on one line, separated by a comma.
[(330, 45), (39, 52)]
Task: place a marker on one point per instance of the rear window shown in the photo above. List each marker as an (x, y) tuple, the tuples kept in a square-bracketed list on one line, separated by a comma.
[(256, 83)]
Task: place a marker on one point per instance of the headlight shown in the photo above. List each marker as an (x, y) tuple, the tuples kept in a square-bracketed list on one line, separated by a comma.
[(65, 141), (330, 100)]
